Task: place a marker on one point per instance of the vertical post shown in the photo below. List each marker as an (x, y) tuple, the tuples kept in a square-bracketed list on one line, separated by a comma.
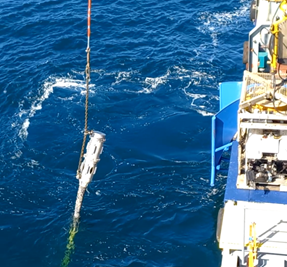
[(274, 57), (243, 243), (250, 259), (213, 134), (254, 243)]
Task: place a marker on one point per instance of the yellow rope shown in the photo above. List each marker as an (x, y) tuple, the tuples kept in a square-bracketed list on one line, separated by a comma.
[(70, 246)]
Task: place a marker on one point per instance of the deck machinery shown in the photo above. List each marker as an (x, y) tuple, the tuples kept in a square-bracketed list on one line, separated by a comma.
[(252, 126)]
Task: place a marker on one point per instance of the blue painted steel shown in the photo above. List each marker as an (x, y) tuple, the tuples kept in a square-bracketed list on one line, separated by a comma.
[(228, 93), (262, 57), (233, 193), (224, 123), (224, 127), (224, 148), (213, 166)]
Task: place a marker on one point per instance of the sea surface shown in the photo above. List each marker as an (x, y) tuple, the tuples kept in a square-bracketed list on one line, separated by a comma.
[(155, 71)]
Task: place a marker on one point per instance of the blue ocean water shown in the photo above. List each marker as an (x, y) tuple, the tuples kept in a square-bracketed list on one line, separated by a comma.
[(156, 66)]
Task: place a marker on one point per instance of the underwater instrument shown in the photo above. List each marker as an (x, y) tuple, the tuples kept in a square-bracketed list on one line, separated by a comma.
[(87, 167)]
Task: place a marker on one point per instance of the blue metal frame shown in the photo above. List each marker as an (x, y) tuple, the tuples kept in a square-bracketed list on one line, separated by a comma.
[(224, 123)]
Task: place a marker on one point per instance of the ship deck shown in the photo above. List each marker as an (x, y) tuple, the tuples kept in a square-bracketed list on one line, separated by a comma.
[(271, 231), (235, 194)]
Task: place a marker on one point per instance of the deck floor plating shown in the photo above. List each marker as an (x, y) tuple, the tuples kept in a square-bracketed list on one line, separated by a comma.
[(233, 193)]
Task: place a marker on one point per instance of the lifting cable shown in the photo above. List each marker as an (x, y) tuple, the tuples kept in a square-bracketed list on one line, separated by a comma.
[(95, 143), (87, 72)]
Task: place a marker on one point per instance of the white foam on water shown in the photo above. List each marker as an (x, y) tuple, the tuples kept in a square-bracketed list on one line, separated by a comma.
[(99, 71), (213, 23), (204, 113), (144, 91), (43, 93), (23, 133), (71, 83), (79, 72), (123, 76), (182, 73), (176, 73), (35, 106), (33, 163), (155, 82), (201, 77), (201, 109), (200, 102), (151, 84), (66, 83), (221, 21), (194, 97), (226, 17)]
